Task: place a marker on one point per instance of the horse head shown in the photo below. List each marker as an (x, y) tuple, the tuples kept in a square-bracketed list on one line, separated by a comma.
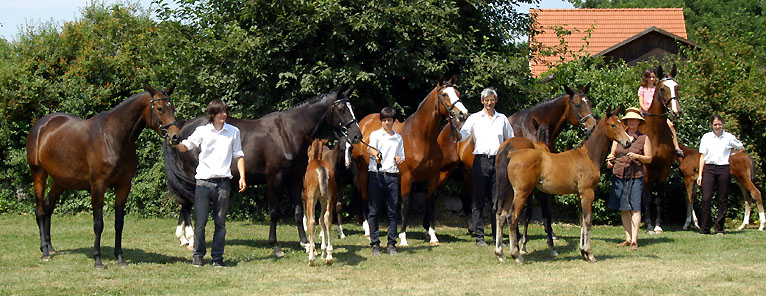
[(667, 91), (161, 114), (449, 98), (343, 121), (615, 130), (580, 108)]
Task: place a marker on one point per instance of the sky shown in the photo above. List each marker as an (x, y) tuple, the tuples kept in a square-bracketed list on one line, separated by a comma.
[(17, 13)]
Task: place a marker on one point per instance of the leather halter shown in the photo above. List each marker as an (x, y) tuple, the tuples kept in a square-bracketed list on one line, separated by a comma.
[(342, 131), (163, 128), (580, 120), (439, 95)]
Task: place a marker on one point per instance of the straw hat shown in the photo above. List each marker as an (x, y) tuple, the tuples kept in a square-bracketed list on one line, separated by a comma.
[(633, 113)]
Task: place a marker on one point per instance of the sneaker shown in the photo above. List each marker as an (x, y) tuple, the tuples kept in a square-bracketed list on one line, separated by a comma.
[(197, 261), (375, 250), (680, 153), (218, 263), (481, 243), (391, 249)]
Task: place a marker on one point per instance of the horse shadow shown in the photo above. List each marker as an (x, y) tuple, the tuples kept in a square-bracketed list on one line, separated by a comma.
[(347, 254), (131, 256)]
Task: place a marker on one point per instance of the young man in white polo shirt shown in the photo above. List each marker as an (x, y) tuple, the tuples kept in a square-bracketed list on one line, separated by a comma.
[(219, 144), (489, 129)]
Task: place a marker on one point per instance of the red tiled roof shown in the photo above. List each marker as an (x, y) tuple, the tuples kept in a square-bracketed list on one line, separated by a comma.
[(610, 26)]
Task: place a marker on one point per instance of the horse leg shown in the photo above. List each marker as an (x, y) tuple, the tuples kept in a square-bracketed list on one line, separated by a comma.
[(44, 210), (186, 209), (295, 194), (339, 215), (362, 178), (97, 201), (690, 189), (752, 193), (429, 218), (501, 216), (648, 205), (121, 196), (519, 200), (658, 202), (272, 192), (586, 200), (327, 208), (545, 204), (309, 195), (406, 187), (526, 218)]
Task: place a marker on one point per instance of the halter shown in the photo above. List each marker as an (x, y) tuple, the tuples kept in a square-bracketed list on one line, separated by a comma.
[(343, 127), (580, 120), (664, 104), (163, 128), (453, 128)]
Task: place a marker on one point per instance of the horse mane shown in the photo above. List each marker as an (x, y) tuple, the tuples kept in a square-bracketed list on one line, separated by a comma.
[(309, 101)]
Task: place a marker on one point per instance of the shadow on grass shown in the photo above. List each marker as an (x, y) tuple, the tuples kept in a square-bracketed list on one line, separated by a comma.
[(131, 256)]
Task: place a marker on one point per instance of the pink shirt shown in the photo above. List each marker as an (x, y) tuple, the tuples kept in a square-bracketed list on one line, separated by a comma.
[(646, 94)]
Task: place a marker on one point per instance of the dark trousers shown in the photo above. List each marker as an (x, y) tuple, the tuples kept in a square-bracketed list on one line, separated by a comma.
[(383, 187), (209, 192), (714, 175), (483, 190)]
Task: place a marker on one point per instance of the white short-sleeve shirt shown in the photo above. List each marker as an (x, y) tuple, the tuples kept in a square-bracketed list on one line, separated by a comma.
[(389, 146), (217, 150), (718, 149), (488, 132)]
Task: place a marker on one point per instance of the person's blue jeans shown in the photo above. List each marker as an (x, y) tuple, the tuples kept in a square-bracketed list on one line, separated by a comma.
[(211, 192), (383, 187)]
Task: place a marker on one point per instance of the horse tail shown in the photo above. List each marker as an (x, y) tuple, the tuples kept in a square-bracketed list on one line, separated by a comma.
[(503, 187), (752, 168), (323, 178), (178, 182)]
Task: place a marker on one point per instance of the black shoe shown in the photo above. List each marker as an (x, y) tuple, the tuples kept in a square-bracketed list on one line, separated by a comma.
[(375, 250), (481, 243), (680, 153), (197, 261), (391, 249), (218, 263)]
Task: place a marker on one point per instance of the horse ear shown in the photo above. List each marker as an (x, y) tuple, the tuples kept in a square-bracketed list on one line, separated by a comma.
[(660, 74), (673, 71), (453, 79), (441, 79), (619, 110), (568, 90), (609, 111), (586, 88), (170, 90), (348, 92), (150, 89)]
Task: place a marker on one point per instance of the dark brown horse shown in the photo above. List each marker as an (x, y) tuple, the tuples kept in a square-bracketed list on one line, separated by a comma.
[(655, 126), (742, 169), (319, 186), (94, 154), (572, 171), (275, 154), (421, 150)]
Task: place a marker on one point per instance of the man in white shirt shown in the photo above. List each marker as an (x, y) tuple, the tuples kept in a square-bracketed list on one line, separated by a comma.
[(219, 144), (387, 150), (489, 129)]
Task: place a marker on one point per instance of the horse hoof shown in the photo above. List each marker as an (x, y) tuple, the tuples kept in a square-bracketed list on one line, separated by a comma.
[(279, 253), (435, 244), (329, 262), (122, 264), (190, 248), (45, 258), (311, 262), (523, 252), (519, 261), (554, 253), (99, 266), (500, 259), (51, 251)]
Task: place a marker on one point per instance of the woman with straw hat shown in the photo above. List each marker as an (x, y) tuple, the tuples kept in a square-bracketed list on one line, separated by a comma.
[(628, 176)]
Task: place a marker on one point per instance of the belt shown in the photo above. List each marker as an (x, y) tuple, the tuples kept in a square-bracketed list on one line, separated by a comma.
[(218, 180), (484, 156), (386, 174)]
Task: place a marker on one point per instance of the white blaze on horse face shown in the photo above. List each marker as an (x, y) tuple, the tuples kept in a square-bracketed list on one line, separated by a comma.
[(452, 94)]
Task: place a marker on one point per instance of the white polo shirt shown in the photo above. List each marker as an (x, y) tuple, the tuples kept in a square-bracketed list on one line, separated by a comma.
[(718, 149), (217, 150), (488, 132), (389, 146)]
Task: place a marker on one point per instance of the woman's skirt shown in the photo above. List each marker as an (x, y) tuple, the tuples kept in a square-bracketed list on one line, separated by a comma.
[(625, 194)]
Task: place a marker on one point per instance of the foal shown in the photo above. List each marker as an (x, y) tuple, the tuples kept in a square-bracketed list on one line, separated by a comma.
[(319, 185), (742, 169), (572, 171)]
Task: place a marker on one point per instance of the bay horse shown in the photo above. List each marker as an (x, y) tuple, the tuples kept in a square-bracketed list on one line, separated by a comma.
[(94, 154), (319, 185), (275, 154), (742, 169), (655, 126), (421, 149), (572, 171)]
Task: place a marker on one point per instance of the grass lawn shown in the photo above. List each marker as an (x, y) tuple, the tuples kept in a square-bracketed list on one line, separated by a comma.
[(675, 262)]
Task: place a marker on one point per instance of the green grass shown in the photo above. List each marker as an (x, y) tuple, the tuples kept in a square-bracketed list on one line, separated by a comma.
[(675, 262)]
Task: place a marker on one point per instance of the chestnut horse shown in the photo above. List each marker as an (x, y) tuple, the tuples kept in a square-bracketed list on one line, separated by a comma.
[(572, 171), (422, 153), (275, 154), (319, 185), (656, 127), (94, 154), (742, 169)]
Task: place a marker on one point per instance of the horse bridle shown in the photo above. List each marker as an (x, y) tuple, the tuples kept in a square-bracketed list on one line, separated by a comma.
[(664, 103), (580, 120), (342, 132), (163, 128), (439, 95)]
